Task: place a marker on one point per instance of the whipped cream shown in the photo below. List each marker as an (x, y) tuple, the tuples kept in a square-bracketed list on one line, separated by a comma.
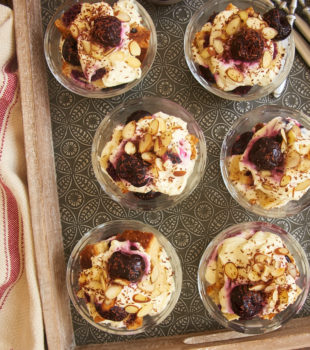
[(214, 53), (118, 64), (166, 175), (153, 291), (286, 182), (259, 260)]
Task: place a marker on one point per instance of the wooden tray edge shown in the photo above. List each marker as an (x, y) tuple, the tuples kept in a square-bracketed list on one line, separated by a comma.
[(46, 217)]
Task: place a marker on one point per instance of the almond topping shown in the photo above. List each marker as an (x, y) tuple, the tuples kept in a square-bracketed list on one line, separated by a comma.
[(269, 33), (291, 269), (281, 251), (140, 298), (123, 17), (218, 46), (130, 148), (270, 288), (283, 297), (162, 124), (281, 280), (117, 56), (253, 23), (233, 26), (131, 309), (292, 159), (267, 59), (231, 270), (154, 274), (235, 75), (278, 272), (146, 143), (86, 46), (303, 185), (113, 291), (179, 173), (166, 139), (286, 179), (145, 310), (253, 276), (74, 31), (134, 48), (121, 282), (261, 258), (243, 15), (154, 126), (257, 288), (133, 62), (129, 130), (148, 157)]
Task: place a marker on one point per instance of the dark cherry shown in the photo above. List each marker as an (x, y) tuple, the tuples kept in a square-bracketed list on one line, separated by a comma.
[(175, 159), (206, 73), (70, 15), (132, 169), (116, 313), (112, 172), (137, 115), (99, 74), (276, 18), (146, 196), (242, 90), (266, 153), (206, 41), (130, 267), (247, 45), (70, 51), (78, 75), (246, 303), (241, 143), (107, 31)]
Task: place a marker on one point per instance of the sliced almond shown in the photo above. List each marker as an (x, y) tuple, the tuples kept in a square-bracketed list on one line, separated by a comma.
[(146, 286), (86, 46), (281, 251), (145, 310), (283, 134), (113, 291), (275, 295), (231, 270), (218, 46), (123, 16), (296, 130), (235, 75), (166, 138), (280, 280), (129, 130), (162, 124), (269, 33), (74, 31), (303, 185), (117, 56), (283, 297), (283, 146), (257, 287), (278, 272), (266, 275), (205, 53), (130, 148), (134, 48), (104, 161), (159, 148), (131, 309), (262, 258), (291, 136), (286, 179), (253, 276), (121, 282), (267, 59), (270, 288), (133, 62), (146, 143), (153, 127), (250, 11), (304, 165), (159, 164), (258, 267), (233, 26), (253, 23), (154, 274), (246, 179), (140, 298), (211, 51), (154, 171), (265, 173), (291, 269), (148, 157), (243, 15), (292, 159)]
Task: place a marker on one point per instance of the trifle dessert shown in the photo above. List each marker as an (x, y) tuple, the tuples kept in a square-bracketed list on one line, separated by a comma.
[(240, 48), (125, 278), (252, 274), (270, 163), (102, 46), (150, 154)]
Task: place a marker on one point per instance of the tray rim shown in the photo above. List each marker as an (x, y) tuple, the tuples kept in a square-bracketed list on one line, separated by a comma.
[(46, 225)]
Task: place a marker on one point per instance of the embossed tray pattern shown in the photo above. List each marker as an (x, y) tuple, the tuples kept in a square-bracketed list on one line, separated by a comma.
[(190, 225)]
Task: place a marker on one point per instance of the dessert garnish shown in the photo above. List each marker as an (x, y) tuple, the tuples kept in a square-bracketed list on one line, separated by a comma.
[(252, 274), (125, 278), (237, 49), (102, 46), (150, 154), (270, 164)]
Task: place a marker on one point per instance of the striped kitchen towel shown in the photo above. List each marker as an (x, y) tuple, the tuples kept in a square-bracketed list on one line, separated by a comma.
[(21, 321)]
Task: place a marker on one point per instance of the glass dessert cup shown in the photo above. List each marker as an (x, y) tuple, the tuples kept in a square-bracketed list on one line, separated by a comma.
[(244, 124), (102, 232), (119, 116), (201, 17), (256, 325), (164, 2), (54, 60)]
